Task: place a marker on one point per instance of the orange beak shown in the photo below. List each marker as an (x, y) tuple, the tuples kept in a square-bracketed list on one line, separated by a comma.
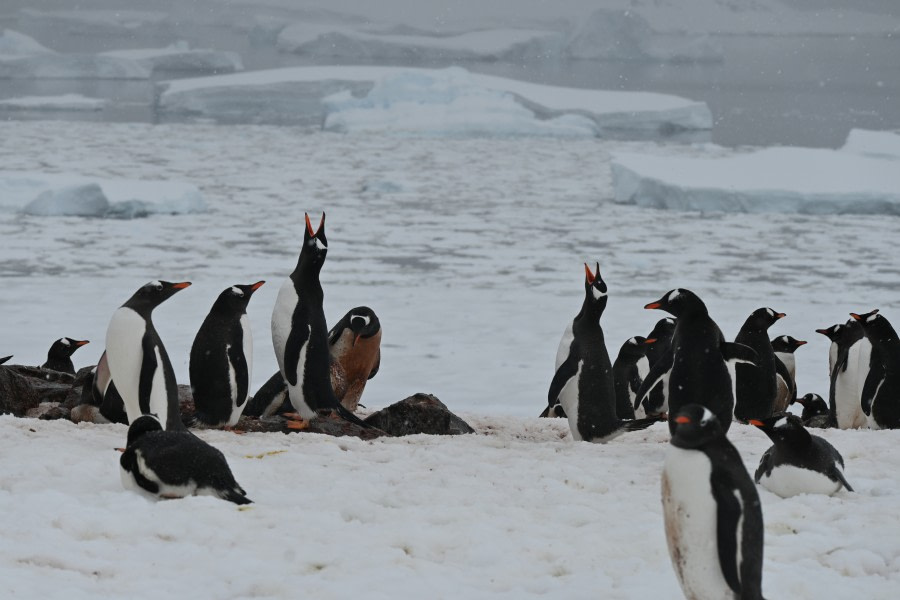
[(653, 305), (309, 225), (256, 285), (81, 343), (682, 419), (650, 341), (119, 449), (800, 342), (780, 315), (182, 285), (587, 273), (856, 316), (756, 422)]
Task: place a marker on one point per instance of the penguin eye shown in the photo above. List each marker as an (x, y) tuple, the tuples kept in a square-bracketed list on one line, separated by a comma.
[(157, 286)]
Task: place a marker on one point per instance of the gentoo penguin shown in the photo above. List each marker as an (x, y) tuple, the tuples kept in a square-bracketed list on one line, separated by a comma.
[(848, 344), (175, 464), (5, 358), (756, 385), (583, 383), (815, 410), (695, 365), (662, 334), (712, 513), (784, 347), (629, 370), (100, 402), (138, 362), (222, 359), (355, 347), (300, 336), (59, 357), (881, 394), (798, 462)]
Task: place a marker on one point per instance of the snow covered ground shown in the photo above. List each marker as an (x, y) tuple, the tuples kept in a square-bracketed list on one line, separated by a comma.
[(296, 94), (470, 251)]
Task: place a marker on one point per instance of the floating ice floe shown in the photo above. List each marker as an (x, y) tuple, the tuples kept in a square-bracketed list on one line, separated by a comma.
[(626, 35), (881, 144), (14, 44), (791, 180), (327, 40), (44, 194), (180, 57), (296, 94), (63, 102), (72, 66)]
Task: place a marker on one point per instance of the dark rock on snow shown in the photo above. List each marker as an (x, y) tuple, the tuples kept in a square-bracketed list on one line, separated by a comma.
[(420, 413)]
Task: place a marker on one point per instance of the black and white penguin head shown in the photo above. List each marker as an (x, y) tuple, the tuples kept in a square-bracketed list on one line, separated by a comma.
[(762, 318), (154, 293), (679, 302), (636, 346), (234, 299), (594, 287), (786, 343), (781, 427), (65, 347), (315, 246), (874, 325), (363, 322), (663, 329), (695, 426), (833, 333), (140, 426), (813, 405)]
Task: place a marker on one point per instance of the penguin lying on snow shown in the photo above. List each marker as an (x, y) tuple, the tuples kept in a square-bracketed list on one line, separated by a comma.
[(138, 362), (59, 357), (222, 359), (583, 383), (880, 398), (712, 513), (175, 464), (798, 462), (300, 335), (815, 410), (695, 367)]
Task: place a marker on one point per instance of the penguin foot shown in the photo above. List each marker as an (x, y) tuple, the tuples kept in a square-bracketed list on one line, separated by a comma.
[(234, 430), (297, 424)]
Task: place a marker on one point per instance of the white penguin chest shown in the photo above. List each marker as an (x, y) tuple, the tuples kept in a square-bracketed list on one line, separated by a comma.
[(568, 398), (848, 389), (788, 480), (282, 315), (562, 352), (690, 515), (125, 358)]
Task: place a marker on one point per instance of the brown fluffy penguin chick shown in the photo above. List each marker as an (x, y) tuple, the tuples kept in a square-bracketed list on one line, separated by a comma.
[(355, 343)]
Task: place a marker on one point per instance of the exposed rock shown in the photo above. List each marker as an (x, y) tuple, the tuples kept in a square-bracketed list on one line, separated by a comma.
[(48, 411), (420, 413), (24, 388)]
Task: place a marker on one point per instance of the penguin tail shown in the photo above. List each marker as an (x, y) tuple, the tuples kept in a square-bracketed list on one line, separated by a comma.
[(349, 416), (236, 495), (840, 476), (639, 424)]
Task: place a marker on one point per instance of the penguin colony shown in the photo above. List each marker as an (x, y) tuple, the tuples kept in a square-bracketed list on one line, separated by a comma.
[(684, 372)]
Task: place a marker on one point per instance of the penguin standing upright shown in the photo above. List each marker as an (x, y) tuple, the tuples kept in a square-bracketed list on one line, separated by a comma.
[(815, 410), (798, 462), (138, 363), (881, 394), (756, 385), (784, 347), (583, 383), (711, 509), (848, 344), (695, 365), (59, 357), (355, 347), (629, 370), (222, 359), (658, 349), (174, 464), (300, 336)]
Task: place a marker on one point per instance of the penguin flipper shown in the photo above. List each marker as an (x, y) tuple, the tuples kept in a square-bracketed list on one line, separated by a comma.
[(639, 424), (296, 339), (728, 518), (765, 465), (377, 366), (873, 381), (657, 372), (734, 352), (839, 475), (148, 369), (241, 373), (782, 371), (349, 416), (566, 371)]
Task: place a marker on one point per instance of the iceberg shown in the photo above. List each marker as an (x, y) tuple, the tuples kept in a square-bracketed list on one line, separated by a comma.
[(179, 57), (881, 144), (335, 41), (14, 44), (788, 180), (59, 194), (63, 102), (297, 94), (72, 66)]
